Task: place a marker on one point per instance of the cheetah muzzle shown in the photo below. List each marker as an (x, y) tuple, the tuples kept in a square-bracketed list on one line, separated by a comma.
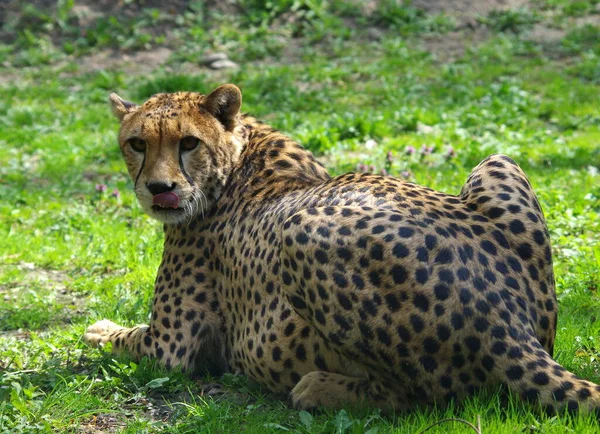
[(354, 290)]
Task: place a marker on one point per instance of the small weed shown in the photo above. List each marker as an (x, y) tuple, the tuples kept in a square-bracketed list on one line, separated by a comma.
[(513, 21), (582, 39)]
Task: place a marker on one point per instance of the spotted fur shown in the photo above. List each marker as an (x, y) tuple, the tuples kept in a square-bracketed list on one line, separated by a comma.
[(354, 290)]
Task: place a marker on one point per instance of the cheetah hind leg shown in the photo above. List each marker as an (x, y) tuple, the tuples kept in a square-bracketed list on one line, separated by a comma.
[(334, 313), (326, 389)]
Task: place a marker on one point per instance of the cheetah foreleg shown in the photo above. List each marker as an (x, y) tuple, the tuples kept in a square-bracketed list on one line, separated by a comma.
[(122, 339)]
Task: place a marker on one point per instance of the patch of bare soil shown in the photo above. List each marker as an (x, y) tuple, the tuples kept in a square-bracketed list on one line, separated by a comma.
[(545, 35), (466, 11), (103, 423), (53, 279), (139, 62), (453, 45)]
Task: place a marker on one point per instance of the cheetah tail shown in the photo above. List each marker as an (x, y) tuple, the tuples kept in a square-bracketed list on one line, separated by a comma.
[(536, 377)]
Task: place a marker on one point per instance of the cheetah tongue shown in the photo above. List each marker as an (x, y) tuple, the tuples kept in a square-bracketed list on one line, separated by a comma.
[(166, 200)]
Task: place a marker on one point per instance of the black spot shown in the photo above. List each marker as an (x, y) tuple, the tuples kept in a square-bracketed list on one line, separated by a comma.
[(446, 276), (344, 253), (481, 324), (516, 227), (463, 274), (515, 353), (446, 382), (584, 394), (514, 373), (403, 333), (320, 363), (421, 302), (457, 321), (488, 363), (532, 217), (493, 298), (421, 275), (406, 232), (321, 256), (320, 317), (375, 278), (458, 361), (345, 231), (431, 345), (377, 229), (443, 333), (525, 251), (301, 353), (442, 292), (344, 301), (297, 302), (489, 247), (477, 229), (383, 336), (400, 251), (429, 364), (358, 281), (399, 274), (539, 238), (497, 174), (500, 239), (417, 323), (473, 343), (392, 302), (422, 254), (541, 378), (499, 348), (465, 296), (495, 212), (479, 284), (444, 256), (289, 329), (482, 307), (430, 242), (340, 280), (514, 264), (532, 394), (377, 252)]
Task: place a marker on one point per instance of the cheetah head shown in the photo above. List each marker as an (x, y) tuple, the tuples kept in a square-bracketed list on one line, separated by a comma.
[(180, 149)]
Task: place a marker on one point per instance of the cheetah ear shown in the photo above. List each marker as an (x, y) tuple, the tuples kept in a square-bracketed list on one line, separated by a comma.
[(224, 103), (120, 107)]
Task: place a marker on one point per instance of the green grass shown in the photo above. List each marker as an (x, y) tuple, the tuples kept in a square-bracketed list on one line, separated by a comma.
[(71, 254)]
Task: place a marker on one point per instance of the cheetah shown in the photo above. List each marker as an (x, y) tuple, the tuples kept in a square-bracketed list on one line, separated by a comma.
[(357, 290)]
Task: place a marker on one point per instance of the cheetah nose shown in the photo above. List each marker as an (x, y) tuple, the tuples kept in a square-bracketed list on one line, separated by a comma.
[(160, 187)]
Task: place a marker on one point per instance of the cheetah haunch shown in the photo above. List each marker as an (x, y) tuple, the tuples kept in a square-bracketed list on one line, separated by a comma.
[(359, 289)]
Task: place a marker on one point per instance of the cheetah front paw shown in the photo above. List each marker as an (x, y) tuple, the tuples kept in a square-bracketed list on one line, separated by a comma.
[(100, 332), (323, 389)]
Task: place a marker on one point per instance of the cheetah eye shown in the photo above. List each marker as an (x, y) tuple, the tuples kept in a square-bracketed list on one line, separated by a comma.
[(189, 143), (137, 144)]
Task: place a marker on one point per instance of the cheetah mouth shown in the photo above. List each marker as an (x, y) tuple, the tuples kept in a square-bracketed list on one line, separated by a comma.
[(167, 200), (162, 209)]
